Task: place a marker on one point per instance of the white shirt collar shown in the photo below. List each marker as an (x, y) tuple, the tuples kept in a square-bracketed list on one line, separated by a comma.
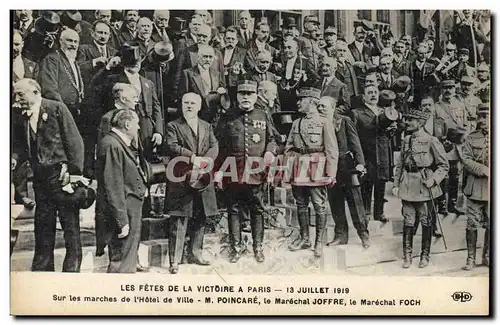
[(27, 23), (373, 108), (122, 136), (359, 45), (260, 45), (131, 76)]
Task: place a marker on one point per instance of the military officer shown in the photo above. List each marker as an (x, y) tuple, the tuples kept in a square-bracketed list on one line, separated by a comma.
[(420, 169), (245, 136), (470, 100), (311, 140), (475, 158), (450, 113), (351, 162)]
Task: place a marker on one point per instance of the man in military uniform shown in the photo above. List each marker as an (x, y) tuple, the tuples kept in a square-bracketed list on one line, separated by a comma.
[(475, 158), (450, 113), (470, 100), (419, 171), (311, 140), (245, 136), (308, 42), (350, 167)]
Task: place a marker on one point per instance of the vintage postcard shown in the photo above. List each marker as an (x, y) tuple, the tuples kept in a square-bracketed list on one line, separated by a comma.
[(250, 162)]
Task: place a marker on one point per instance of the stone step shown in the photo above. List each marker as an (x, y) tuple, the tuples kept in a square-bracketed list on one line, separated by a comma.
[(391, 249)]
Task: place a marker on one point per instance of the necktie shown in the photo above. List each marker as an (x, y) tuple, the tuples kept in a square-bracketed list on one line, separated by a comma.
[(262, 76), (23, 27), (245, 34), (102, 51), (325, 81)]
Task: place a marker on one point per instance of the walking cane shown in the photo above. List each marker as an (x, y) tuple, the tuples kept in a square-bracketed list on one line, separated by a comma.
[(434, 211)]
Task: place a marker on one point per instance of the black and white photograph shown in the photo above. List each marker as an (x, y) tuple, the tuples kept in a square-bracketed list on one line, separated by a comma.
[(282, 144)]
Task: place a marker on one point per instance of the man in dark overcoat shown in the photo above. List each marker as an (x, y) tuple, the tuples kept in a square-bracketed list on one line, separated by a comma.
[(121, 191), (45, 135), (193, 139)]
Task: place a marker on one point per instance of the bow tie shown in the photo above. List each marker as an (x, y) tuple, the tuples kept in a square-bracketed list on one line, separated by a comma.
[(27, 113)]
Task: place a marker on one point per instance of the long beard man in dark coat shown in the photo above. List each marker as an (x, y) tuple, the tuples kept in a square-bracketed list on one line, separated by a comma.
[(121, 191), (47, 138), (188, 205)]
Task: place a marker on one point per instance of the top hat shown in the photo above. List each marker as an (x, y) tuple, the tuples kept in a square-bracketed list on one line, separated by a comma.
[(48, 22), (283, 121), (309, 92), (71, 18), (163, 52), (289, 22), (247, 86), (456, 135), (216, 100), (130, 53)]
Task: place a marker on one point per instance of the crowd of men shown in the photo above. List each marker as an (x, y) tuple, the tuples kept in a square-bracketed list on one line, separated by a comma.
[(104, 100)]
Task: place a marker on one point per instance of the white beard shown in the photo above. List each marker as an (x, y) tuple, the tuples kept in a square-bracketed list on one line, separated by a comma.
[(70, 54)]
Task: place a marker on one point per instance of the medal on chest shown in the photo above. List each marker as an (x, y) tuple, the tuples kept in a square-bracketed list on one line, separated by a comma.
[(255, 138)]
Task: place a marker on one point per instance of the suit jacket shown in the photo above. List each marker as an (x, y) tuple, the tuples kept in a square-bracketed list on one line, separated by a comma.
[(387, 85), (402, 67), (30, 70), (30, 28), (191, 82), (181, 141), (374, 142), (125, 35), (365, 56), (241, 41), (258, 77), (57, 138), (145, 49), (189, 59), (121, 187), (239, 55), (338, 90), (35, 48), (162, 81), (252, 51), (180, 43), (86, 54), (59, 83), (420, 84), (84, 29), (155, 35), (149, 110), (350, 151), (347, 75)]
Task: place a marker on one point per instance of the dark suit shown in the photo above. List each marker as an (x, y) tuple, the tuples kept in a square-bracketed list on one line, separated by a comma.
[(144, 48), (242, 42), (148, 109), (59, 83), (84, 30), (156, 37), (376, 146), (124, 34), (120, 196), (402, 67), (87, 53), (188, 58), (387, 84), (36, 48), (364, 56), (191, 82), (338, 90), (345, 73), (350, 155), (239, 55), (185, 203), (30, 70), (27, 30), (420, 80), (56, 141)]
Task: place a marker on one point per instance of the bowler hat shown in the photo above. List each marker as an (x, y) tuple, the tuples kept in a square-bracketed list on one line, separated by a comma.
[(386, 98), (163, 52), (401, 84), (289, 22), (247, 86), (309, 92), (71, 18), (48, 22)]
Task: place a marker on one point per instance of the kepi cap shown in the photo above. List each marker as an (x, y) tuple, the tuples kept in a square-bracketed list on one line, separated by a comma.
[(418, 113), (330, 30), (247, 86), (468, 80), (289, 22), (463, 51), (311, 19), (309, 92)]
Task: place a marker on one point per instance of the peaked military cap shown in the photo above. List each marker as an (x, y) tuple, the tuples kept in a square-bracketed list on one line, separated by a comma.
[(247, 86), (463, 51), (309, 92), (448, 83), (468, 79), (311, 19), (418, 113)]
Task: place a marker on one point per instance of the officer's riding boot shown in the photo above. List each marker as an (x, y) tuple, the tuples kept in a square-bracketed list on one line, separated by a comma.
[(435, 230), (257, 224), (407, 246), (379, 201), (341, 236), (471, 238), (426, 246), (320, 234), (486, 248), (234, 236), (303, 241)]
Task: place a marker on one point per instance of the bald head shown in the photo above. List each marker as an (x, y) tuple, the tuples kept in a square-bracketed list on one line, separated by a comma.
[(27, 92), (328, 67), (326, 106), (144, 28), (244, 19), (103, 15), (205, 15), (69, 41), (206, 56), (204, 34)]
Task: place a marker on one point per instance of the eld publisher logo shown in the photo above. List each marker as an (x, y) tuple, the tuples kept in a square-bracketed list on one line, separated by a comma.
[(461, 296)]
